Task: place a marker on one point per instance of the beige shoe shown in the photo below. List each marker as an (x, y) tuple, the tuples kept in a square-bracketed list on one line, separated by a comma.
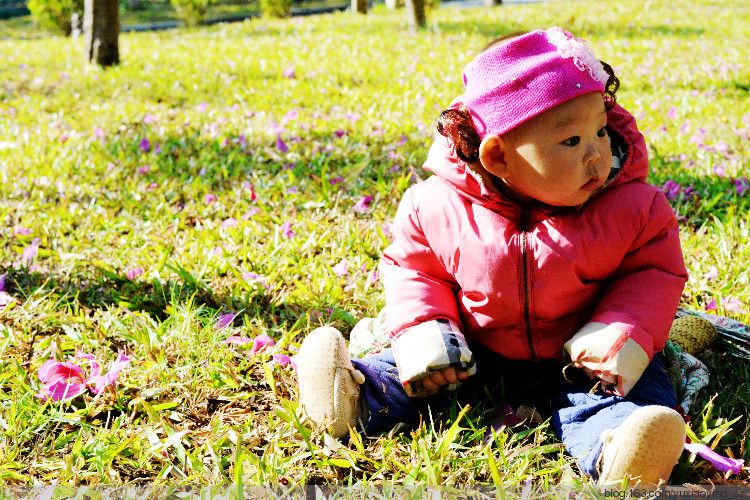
[(328, 382), (644, 448)]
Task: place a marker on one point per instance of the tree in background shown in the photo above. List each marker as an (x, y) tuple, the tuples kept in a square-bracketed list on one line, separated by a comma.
[(275, 8), (415, 14), (359, 6), (101, 30), (191, 11), (55, 14)]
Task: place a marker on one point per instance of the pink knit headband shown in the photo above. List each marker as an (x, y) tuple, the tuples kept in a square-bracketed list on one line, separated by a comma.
[(527, 75)]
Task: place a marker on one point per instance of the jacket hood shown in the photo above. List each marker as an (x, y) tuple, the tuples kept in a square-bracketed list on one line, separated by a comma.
[(628, 145)]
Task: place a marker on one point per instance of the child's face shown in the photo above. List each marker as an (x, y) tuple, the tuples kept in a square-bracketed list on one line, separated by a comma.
[(560, 157)]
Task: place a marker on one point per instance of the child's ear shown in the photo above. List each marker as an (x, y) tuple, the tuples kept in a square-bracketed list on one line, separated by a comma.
[(492, 155)]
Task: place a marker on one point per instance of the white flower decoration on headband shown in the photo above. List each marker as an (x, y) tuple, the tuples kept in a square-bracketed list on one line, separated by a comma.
[(583, 57)]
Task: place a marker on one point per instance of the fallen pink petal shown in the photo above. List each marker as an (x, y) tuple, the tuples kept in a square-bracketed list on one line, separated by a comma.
[(29, 253), (5, 299), (252, 277), (711, 305), (341, 269), (23, 231), (262, 341), (134, 273), (210, 198), (224, 320), (733, 304), (230, 222), (237, 340), (281, 145), (722, 464), (286, 230), (252, 211), (110, 377), (64, 381), (712, 273), (280, 359)]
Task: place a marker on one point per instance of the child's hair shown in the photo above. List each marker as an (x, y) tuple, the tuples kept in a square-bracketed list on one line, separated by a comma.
[(456, 123)]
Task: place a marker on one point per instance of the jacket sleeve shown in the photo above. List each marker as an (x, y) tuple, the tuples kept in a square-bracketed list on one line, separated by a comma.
[(632, 320), (421, 308)]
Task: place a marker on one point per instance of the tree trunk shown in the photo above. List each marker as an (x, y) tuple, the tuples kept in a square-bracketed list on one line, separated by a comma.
[(101, 29), (393, 4), (490, 3), (359, 6), (415, 13)]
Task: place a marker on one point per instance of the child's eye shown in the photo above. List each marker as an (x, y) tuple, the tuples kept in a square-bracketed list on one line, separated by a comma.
[(602, 132), (573, 141)]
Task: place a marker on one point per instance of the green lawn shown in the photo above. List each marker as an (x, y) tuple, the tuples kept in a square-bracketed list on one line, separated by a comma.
[(222, 170)]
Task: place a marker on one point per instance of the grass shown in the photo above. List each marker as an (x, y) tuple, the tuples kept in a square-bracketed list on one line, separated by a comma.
[(141, 250)]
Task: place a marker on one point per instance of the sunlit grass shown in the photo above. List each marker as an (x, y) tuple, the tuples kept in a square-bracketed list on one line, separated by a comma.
[(217, 170)]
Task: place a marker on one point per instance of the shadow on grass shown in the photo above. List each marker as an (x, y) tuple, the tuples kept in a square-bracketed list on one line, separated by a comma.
[(102, 289)]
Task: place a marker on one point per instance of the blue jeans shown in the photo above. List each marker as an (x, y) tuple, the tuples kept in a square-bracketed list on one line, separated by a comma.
[(577, 416)]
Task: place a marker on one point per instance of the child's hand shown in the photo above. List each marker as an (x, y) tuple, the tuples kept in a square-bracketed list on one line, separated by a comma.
[(446, 376)]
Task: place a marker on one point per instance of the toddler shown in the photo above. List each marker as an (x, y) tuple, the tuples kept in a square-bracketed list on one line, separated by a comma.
[(536, 266)]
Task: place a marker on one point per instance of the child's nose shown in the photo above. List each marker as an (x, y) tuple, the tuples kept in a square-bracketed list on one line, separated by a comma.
[(592, 154)]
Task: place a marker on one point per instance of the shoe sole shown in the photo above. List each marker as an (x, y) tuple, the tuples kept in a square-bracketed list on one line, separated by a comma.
[(328, 392), (655, 442)]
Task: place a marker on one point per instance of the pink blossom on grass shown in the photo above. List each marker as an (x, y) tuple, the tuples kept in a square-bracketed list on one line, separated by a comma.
[(289, 117), (202, 107), (66, 380), (281, 145), (283, 360), (712, 273), (289, 72), (733, 304), (286, 230), (253, 278), (671, 189), (730, 304), (224, 320), (341, 269), (5, 299), (148, 119), (261, 342), (134, 273), (22, 231), (237, 340), (252, 211), (144, 169), (29, 253), (363, 204), (230, 222), (144, 145), (209, 198), (741, 185), (672, 113)]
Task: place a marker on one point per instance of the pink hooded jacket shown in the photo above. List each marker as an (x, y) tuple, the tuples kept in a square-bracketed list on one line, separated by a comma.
[(602, 281)]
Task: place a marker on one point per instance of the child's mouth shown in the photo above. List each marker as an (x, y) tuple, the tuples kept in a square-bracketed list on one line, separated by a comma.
[(591, 185)]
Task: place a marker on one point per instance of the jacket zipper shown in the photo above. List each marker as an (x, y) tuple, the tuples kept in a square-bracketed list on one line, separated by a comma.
[(526, 285)]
